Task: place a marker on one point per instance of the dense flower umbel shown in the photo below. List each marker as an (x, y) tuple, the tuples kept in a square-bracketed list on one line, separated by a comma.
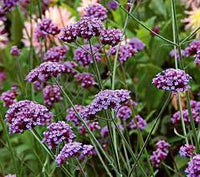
[(137, 44), (160, 154), (84, 57), (124, 113), (25, 115), (126, 51), (15, 51), (68, 151), (9, 4), (106, 99), (193, 169), (192, 48), (87, 150), (51, 94), (72, 116), (195, 105), (45, 71), (93, 126), (197, 58), (96, 10), (138, 123), (175, 80), (46, 26), (112, 5), (86, 79), (9, 97), (56, 133), (111, 36), (69, 33), (176, 118), (70, 66), (56, 54), (89, 27), (187, 150)]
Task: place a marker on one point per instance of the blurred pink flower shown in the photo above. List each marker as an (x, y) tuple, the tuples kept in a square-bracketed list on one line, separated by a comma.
[(191, 3), (10, 175), (3, 36)]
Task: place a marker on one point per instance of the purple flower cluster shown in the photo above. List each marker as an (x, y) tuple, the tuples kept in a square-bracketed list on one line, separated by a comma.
[(138, 123), (70, 66), (137, 44), (25, 115), (192, 48), (104, 131), (193, 169), (6, 6), (111, 36), (172, 54), (124, 113), (84, 57), (112, 5), (69, 33), (175, 80), (56, 54), (126, 51), (73, 149), (56, 133), (15, 51), (93, 126), (197, 58), (89, 27), (71, 114), (46, 26), (195, 105), (96, 10), (9, 97), (44, 72), (106, 99), (187, 150), (86, 79), (51, 95), (160, 154), (176, 118)]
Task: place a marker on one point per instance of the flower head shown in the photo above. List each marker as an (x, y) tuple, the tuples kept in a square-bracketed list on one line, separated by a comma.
[(69, 33), (86, 79), (93, 126), (3, 36), (58, 132), (87, 150), (70, 66), (137, 44), (124, 112), (175, 80), (96, 10), (193, 169), (187, 150), (15, 51), (25, 115), (138, 123), (112, 5), (192, 48)]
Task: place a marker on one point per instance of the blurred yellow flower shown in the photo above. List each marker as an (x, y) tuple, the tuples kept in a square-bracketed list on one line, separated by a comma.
[(193, 20)]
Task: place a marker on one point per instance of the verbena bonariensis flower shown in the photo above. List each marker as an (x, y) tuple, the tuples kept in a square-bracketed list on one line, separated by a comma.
[(45, 71), (106, 99), (195, 105), (197, 58), (176, 118), (69, 33), (160, 154), (56, 133), (187, 150), (126, 51), (69, 150), (72, 116), (87, 150), (175, 80), (89, 27), (192, 48), (25, 115), (172, 54), (51, 94), (138, 123), (137, 44), (96, 10), (111, 36), (124, 112), (104, 131), (112, 5), (9, 4), (130, 103), (9, 97), (93, 126), (193, 169), (47, 27), (84, 57), (15, 51), (70, 66), (86, 79), (84, 4), (56, 54), (3, 36)]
